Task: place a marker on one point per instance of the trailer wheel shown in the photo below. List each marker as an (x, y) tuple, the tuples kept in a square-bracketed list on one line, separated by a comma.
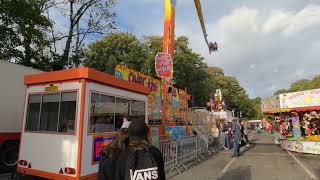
[(9, 156)]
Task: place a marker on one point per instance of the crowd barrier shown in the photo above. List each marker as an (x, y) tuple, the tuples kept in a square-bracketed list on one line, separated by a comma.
[(178, 153)]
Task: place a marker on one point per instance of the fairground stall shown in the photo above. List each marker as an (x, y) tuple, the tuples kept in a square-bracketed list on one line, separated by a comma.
[(176, 121), (298, 114), (69, 115)]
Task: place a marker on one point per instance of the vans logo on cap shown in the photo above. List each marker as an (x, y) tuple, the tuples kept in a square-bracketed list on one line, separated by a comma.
[(144, 174)]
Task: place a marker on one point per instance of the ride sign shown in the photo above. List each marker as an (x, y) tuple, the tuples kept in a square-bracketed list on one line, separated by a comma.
[(163, 65)]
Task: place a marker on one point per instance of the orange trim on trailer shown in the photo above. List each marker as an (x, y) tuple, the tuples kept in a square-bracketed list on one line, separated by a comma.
[(23, 122), (81, 121), (55, 82), (84, 73), (44, 174), (89, 177)]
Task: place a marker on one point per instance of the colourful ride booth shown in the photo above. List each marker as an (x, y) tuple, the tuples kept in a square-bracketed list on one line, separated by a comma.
[(175, 123), (298, 114), (69, 115)]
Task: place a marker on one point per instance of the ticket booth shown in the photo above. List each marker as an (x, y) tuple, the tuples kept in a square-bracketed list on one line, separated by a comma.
[(69, 115)]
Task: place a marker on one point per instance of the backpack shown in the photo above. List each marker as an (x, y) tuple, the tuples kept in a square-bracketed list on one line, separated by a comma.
[(141, 164)]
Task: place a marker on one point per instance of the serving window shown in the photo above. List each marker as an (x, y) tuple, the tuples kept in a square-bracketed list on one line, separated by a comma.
[(107, 112), (52, 112)]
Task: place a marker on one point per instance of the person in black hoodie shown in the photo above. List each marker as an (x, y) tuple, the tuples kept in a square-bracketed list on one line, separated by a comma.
[(140, 160), (110, 154)]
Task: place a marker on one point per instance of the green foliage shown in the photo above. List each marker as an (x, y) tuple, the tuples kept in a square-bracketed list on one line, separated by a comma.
[(190, 72), (302, 85), (116, 48), (280, 91), (23, 32), (234, 95)]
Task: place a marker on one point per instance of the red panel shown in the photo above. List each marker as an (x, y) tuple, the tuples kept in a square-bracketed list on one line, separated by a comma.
[(308, 108), (9, 136)]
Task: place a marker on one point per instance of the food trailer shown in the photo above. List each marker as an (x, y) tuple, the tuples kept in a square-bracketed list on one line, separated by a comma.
[(299, 117), (69, 115)]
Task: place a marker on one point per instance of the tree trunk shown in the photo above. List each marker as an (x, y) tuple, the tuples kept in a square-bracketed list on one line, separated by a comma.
[(27, 49), (65, 55)]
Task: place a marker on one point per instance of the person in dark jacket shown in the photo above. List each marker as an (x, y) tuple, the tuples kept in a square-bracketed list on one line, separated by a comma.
[(109, 155), (130, 160), (236, 129)]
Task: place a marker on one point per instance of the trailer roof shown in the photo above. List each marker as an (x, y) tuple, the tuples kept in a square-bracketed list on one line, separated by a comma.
[(84, 73)]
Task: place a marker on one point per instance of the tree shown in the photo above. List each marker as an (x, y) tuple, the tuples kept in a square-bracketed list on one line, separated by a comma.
[(115, 48), (189, 68), (301, 85), (233, 94), (153, 45), (280, 91), (23, 30), (190, 72), (87, 19)]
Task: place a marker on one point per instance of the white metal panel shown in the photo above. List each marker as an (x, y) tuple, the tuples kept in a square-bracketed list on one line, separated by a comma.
[(12, 90), (50, 152), (87, 167)]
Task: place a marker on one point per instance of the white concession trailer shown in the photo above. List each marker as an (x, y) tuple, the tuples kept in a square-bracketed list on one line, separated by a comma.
[(69, 115)]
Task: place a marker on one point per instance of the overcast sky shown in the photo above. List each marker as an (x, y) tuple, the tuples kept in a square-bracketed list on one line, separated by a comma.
[(266, 44)]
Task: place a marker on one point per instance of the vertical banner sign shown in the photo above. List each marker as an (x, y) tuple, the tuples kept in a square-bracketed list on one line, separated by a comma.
[(296, 127), (163, 65)]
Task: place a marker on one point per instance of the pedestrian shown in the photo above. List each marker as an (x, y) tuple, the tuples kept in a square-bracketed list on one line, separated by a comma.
[(140, 160), (245, 133), (223, 138), (126, 123), (110, 154), (236, 129), (230, 135), (276, 132)]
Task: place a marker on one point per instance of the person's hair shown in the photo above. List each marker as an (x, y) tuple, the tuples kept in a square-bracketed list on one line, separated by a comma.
[(127, 117), (114, 149)]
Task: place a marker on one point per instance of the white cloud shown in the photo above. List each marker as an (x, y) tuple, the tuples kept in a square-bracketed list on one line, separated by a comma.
[(291, 23), (278, 20), (258, 47), (241, 19), (266, 45)]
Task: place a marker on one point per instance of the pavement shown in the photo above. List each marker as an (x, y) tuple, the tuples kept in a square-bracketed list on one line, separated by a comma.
[(263, 160)]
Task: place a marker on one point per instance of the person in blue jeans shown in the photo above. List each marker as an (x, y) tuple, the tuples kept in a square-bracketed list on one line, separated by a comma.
[(236, 129)]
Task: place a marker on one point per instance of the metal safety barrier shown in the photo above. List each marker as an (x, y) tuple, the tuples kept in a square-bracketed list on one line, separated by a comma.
[(178, 153)]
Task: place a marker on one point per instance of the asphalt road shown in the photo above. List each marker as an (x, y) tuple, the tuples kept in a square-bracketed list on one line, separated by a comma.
[(263, 160)]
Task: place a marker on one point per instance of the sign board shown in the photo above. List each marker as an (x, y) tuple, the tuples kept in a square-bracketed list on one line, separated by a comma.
[(163, 65), (154, 98), (300, 99), (311, 147), (176, 100), (296, 127), (98, 143), (51, 88)]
